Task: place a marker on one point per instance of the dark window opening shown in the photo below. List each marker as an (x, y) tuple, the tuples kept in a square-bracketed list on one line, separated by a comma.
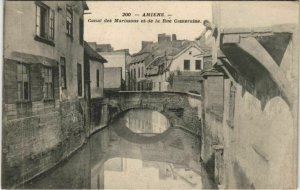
[(231, 105), (81, 27), (79, 79), (139, 73), (63, 73), (97, 77), (69, 24), (186, 64), (198, 65), (44, 21)]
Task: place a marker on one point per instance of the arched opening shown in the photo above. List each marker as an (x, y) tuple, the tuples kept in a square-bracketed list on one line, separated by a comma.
[(141, 125), (145, 122)]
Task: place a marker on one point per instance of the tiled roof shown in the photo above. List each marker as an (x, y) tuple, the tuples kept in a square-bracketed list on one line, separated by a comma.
[(139, 57)]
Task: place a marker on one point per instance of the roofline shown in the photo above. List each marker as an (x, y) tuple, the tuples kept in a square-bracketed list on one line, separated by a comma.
[(85, 6), (192, 44), (291, 27)]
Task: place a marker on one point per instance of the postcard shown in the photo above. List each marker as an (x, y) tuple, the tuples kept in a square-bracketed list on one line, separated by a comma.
[(150, 94)]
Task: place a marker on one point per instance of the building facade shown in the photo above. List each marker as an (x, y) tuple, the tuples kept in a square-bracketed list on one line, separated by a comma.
[(94, 88), (115, 58), (43, 99), (250, 122)]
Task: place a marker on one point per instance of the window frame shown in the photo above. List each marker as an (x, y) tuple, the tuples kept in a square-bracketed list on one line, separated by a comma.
[(98, 78), (63, 73), (231, 111), (27, 67), (189, 64), (49, 22), (201, 65), (81, 31), (45, 87), (69, 31)]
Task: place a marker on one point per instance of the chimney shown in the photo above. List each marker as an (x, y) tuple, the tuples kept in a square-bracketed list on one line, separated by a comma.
[(174, 37), (145, 43), (160, 37), (163, 38)]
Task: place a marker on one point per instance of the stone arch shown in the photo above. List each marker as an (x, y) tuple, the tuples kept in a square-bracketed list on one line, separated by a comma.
[(123, 110)]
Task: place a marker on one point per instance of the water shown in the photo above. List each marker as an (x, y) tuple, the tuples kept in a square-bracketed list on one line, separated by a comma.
[(140, 150)]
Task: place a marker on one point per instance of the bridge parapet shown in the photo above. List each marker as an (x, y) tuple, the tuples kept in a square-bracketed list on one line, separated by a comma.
[(182, 109)]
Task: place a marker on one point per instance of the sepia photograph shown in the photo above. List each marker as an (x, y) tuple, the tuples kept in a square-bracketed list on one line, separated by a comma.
[(150, 94)]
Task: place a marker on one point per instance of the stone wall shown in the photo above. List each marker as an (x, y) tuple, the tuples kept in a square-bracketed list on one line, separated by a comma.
[(212, 91), (35, 142), (185, 84)]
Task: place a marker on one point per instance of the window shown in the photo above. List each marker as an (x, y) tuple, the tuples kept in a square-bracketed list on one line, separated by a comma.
[(69, 23), (134, 76), (81, 31), (44, 21), (23, 82), (198, 65), (142, 75), (48, 83), (139, 73), (97, 77), (79, 79), (159, 86), (186, 64), (231, 105), (63, 75)]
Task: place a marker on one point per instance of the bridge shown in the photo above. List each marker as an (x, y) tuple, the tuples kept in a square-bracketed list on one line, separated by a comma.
[(181, 109)]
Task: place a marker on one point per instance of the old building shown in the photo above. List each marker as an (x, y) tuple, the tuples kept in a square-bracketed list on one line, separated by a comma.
[(137, 69), (169, 65), (94, 85), (43, 97), (250, 117), (115, 58)]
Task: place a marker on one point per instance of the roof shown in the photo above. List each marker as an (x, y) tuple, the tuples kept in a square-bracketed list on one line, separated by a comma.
[(154, 50), (211, 72), (163, 61), (140, 57), (92, 54)]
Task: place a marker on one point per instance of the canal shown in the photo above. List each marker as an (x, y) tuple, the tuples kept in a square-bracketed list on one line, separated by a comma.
[(139, 150)]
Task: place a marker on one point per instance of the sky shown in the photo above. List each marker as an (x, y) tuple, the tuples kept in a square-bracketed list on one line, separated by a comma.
[(130, 35)]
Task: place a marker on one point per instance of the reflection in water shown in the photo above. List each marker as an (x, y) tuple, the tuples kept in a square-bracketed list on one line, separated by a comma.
[(146, 121), (116, 158), (136, 174)]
